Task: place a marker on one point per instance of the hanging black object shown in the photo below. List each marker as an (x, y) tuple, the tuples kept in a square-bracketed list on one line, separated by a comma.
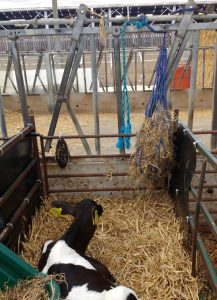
[(62, 153)]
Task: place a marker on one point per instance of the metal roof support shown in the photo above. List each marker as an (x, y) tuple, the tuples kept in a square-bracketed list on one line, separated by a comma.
[(19, 77), (214, 104), (193, 80), (2, 118)]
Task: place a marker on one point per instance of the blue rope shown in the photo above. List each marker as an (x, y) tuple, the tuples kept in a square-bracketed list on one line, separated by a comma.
[(158, 95), (124, 142)]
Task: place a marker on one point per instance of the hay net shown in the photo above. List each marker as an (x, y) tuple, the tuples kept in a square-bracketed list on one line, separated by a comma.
[(154, 147)]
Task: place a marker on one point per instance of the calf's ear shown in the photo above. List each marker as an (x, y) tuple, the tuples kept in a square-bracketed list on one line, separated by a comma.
[(99, 209), (67, 208)]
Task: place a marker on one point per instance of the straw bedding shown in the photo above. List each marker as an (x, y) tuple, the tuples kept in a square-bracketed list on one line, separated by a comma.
[(153, 157), (138, 240)]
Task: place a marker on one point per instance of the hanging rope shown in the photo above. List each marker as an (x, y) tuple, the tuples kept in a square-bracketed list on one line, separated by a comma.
[(102, 31), (159, 89), (124, 142)]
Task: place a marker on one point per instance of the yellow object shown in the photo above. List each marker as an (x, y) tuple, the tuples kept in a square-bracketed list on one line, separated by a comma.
[(95, 217), (56, 212)]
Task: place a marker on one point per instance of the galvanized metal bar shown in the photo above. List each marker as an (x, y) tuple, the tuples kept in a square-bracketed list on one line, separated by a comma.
[(15, 139), (118, 82), (67, 70), (143, 71), (185, 70), (38, 68), (75, 66), (209, 219), (17, 182), (59, 175), (135, 71), (120, 20), (193, 80), (203, 67), (90, 136), (113, 70), (110, 30), (99, 60), (84, 73), (154, 71), (2, 118), (8, 70), (44, 166), (50, 83), (196, 218), (78, 128), (183, 26), (214, 103), (19, 77), (24, 72), (200, 147), (94, 72), (54, 73), (117, 189), (177, 58), (26, 201), (106, 72), (127, 156), (14, 86)]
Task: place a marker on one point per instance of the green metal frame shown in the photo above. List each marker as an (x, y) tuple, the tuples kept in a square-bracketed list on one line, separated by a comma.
[(13, 268)]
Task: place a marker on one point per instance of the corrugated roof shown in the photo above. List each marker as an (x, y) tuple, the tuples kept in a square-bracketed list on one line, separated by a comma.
[(26, 5)]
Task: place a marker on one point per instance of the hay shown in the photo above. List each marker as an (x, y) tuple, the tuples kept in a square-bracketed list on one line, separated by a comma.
[(138, 240), (153, 159), (207, 38), (27, 289)]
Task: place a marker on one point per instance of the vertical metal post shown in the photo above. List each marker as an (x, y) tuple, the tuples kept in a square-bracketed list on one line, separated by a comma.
[(214, 103), (54, 72), (20, 82), (118, 81), (24, 72), (45, 16), (135, 71), (203, 67), (84, 73), (2, 118), (197, 213), (94, 73), (7, 75), (50, 85), (46, 185), (38, 68), (193, 80), (143, 71), (55, 11), (106, 73)]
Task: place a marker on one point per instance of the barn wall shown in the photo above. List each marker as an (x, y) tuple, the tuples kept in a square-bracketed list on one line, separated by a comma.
[(107, 101)]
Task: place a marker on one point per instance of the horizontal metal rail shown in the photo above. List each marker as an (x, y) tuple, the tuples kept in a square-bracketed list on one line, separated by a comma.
[(15, 139), (26, 201), (87, 136), (87, 175), (200, 147), (95, 190), (94, 156), (206, 259), (110, 30), (120, 20), (204, 200), (209, 219), (17, 181)]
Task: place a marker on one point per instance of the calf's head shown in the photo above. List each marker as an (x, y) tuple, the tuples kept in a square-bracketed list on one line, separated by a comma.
[(86, 214)]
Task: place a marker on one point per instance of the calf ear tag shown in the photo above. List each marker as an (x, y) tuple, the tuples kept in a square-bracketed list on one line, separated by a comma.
[(95, 217), (56, 212)]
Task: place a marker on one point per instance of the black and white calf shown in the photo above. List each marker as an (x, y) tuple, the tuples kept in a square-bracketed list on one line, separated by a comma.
[(85, 277)]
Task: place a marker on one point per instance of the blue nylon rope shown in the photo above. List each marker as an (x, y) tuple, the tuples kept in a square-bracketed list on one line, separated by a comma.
[(124, 142)]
